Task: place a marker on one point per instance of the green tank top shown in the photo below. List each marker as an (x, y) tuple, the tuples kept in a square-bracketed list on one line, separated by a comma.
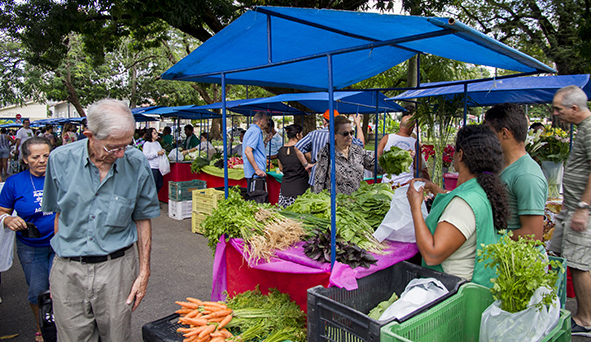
[(474, 195)]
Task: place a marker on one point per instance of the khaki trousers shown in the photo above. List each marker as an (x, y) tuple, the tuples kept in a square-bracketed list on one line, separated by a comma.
[(89, 300)]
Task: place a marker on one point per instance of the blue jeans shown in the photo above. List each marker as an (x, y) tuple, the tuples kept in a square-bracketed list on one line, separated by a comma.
[(36, 263)]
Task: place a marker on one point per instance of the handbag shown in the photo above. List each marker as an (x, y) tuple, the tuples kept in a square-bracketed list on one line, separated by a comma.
[(258, 190), (163, 165)]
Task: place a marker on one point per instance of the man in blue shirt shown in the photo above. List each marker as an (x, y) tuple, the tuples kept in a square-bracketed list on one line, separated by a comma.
[(102, 191), (253, 149), (273, 142)]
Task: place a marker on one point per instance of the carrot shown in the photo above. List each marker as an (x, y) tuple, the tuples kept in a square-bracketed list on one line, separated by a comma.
[(223, 306), (183, 311), (208, 330), (218, 339), (225, 321), (184, 330), (217, 334), (187, 305), (193, 321), (195, 331), (215, 319), (190, 339), (205, 338), (194, 300), (220, 313), (193, 314), (212, 308), (226, 333)]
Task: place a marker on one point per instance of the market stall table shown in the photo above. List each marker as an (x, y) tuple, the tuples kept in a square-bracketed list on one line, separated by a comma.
[(291, 271), (181, 171)]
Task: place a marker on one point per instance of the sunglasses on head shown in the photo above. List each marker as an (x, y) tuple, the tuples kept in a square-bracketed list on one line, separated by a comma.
[(346, 133)]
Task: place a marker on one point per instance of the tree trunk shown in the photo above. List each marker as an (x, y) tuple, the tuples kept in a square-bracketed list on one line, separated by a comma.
[(133, 97), (72, 94)]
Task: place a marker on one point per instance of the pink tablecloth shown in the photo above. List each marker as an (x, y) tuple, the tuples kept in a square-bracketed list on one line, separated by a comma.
[(294, 261)]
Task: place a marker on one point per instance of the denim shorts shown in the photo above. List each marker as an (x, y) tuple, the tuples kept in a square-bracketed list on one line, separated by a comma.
[(4, 152), (36, 263)]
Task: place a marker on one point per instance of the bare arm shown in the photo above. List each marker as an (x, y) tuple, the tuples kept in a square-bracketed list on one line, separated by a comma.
[(250, 158), (144, 244), (581, 216), (530, 225), (435, 248), (382, 145), (13, 222), (357, 121), (56, 223)]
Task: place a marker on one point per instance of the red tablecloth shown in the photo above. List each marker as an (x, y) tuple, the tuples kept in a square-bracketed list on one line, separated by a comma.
[(180, 172)]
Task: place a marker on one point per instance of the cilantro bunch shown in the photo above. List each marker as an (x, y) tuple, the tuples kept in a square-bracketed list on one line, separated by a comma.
[(521, 269)]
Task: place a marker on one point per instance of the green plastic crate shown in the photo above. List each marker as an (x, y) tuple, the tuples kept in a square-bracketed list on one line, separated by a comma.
[(561, 283), (458, 319), (183, 191)]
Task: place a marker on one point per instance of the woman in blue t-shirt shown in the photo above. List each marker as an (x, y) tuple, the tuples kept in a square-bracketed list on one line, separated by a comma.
[(23, 193)]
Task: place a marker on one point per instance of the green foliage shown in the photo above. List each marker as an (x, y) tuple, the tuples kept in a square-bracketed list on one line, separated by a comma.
[(395, 161), (521, 270)]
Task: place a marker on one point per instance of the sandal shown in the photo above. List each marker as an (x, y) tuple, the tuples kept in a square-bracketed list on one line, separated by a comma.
[(38, 337), (579, 330)]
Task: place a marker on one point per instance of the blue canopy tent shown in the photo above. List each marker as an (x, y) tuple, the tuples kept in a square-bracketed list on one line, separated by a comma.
[(249, 107), (331, 50), (521, 90), (144, 118)]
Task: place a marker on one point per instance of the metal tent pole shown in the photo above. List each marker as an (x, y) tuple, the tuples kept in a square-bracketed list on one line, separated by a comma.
[(225, 137), (375, 166), (333, 190)]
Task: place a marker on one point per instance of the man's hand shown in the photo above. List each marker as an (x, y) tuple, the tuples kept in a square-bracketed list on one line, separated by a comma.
[(260, 173), (357, 120), (138, 291), (579, 220)]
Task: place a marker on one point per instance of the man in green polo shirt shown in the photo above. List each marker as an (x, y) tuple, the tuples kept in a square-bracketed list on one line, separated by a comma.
[(102, 191), (527, 189)]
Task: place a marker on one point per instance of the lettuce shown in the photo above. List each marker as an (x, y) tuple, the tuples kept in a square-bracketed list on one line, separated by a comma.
[(395, 161)]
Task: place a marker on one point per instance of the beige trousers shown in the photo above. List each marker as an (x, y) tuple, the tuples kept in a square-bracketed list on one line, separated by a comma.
[(89, 299)]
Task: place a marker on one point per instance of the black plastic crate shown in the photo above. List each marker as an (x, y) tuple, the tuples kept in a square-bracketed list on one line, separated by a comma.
[(335, 314), (163, 330)]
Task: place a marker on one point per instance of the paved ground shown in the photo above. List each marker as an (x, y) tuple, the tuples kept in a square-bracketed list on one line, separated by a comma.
[(181, 267)]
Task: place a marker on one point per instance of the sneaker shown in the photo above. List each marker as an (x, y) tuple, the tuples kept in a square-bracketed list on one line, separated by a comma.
[(578, 330)]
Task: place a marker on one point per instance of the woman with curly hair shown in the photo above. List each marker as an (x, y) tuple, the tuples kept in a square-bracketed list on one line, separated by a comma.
[(462, 220)]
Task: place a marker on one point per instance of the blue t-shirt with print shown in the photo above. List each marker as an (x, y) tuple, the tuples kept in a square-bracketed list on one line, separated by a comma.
[(19, 194)]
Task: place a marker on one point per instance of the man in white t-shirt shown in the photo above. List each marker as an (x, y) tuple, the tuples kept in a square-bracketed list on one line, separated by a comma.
[(403, 140), (23, 134)]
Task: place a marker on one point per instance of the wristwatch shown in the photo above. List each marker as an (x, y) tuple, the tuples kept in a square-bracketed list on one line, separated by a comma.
[(583, 205)]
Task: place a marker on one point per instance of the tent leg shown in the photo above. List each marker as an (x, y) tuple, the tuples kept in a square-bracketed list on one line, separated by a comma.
[(333, 190), (225, 136)]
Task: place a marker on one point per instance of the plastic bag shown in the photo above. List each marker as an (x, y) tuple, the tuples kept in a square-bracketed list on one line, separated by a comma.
[(418, 293), (6, 248), (174, 155), (397, 224), (163, 165), (531, 324)]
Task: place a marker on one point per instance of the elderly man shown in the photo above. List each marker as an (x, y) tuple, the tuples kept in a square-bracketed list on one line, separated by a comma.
[(314, 141), (527, 189), (253, 149), (104, 197), (572, 236)]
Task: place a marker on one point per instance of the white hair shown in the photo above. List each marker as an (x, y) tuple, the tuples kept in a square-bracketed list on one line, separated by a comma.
[(107, 116), (573, 96)]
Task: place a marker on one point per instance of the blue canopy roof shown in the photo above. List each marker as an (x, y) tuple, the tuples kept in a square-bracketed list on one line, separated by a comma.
[(288, 47), (346, 102), (523, 90), (191, 112), (251, 106)]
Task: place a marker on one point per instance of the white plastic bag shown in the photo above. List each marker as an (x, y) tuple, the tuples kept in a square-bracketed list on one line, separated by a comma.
[(397, 224), (529, 325), (418, 293), (6, 248), (174, 155), (163, 165)]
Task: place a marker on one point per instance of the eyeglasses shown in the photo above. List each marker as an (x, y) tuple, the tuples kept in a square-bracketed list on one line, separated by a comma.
[(346, 133), (113, 151)]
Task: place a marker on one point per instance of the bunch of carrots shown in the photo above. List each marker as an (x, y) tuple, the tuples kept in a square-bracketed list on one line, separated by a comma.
[(206, 320)]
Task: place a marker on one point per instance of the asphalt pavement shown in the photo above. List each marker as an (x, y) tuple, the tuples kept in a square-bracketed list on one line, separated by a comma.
[(181, 267)]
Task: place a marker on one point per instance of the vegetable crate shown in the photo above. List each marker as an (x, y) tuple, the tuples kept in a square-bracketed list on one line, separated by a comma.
[(179, 210), (204, 201), (335, 314), (196, 219), (183, 191), (458, 319), (561, 284), (163, 330)]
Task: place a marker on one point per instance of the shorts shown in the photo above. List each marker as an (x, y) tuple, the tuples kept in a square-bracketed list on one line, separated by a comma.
[(36, 263), (4, 153), (576, 246)]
